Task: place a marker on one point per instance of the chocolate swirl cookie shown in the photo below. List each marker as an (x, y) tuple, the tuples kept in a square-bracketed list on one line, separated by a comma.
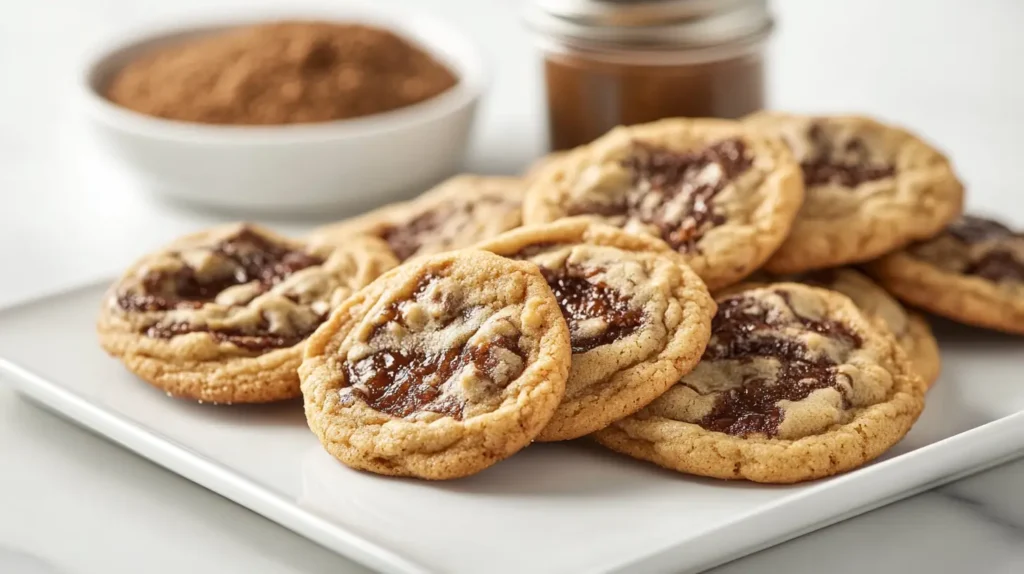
[(972, 272), (457, 213), (911, 330), (795, 384), (870, 189), (638, 316), (221, 315), (439, 368), (717, 193)]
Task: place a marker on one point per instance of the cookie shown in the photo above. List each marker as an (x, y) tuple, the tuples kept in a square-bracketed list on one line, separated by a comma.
[(457, 213), (870, 189), (538, 166), (972, 272), (221, 315), (716, 192), (638, 316), (439, 368), (795, 384), (911, 330)]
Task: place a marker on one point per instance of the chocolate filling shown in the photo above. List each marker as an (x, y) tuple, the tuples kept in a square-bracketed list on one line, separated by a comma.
[(582, 298), (971, 229), (401, 383), (739, 334), (407, 238), (257, 339), (996, 266), (674, 192), (996, 262), (252, 258), (445, 300), (851, 170)]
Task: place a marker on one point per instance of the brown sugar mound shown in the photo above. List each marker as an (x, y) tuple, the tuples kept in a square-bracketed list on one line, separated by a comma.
[(281, 73)]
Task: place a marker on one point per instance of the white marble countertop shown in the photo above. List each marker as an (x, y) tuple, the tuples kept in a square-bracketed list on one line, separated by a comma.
[(71, 502)]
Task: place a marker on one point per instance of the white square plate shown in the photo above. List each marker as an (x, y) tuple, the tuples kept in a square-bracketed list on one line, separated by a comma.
[(552, 508)]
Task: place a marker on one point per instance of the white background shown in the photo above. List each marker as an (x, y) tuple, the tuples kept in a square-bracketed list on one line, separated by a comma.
[(949, 69)]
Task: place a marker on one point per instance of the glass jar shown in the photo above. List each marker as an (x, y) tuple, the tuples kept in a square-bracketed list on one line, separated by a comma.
[(612, 62)]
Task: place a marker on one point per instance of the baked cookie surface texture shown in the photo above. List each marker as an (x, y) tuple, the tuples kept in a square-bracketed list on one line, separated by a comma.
[(221, 315), (911, 330), (439, 368), (973, 272), (796, 384), (718, 193), (638, 317), (870, 188), (457, 213)]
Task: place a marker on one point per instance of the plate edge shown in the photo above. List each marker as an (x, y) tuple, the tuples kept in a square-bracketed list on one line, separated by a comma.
[(46, 295), (961, 466), (206, 472)]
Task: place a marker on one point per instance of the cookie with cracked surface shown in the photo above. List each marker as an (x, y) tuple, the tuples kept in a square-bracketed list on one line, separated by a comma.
[(796, 384), (456, 214), (221, 315), (870, 188), (911, 330), (439, 368), (720, 194), (972, 272), (638, 316)]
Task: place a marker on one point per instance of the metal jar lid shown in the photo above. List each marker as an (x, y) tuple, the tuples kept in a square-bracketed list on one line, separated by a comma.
[(650, 25)]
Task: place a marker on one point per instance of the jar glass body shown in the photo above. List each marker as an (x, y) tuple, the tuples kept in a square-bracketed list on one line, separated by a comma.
[(590, 92)]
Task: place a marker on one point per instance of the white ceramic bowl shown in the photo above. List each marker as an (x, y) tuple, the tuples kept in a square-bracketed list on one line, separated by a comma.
[(305, 167)]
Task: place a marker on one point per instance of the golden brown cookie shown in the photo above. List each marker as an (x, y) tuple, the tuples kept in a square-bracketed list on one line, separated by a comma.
[(221, 315), (718, 193), (439, 368), (638, 316), (911, 330), (542, 163), (457, 213), (870, 188), (796, 384), (972, 272)]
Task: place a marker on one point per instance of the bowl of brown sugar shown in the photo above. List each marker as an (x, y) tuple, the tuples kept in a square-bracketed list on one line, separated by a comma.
[(338, 111)]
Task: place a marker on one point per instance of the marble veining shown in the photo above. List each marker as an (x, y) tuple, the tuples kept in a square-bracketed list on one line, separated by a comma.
[(996, 495)]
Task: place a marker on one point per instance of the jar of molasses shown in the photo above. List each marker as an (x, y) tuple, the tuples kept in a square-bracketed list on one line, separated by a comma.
[(612, 62)]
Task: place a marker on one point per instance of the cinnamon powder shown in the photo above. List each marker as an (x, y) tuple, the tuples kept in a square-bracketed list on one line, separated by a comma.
[(281, 73)]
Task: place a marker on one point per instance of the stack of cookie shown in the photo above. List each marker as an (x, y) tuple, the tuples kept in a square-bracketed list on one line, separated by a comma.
[(436, 337)]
